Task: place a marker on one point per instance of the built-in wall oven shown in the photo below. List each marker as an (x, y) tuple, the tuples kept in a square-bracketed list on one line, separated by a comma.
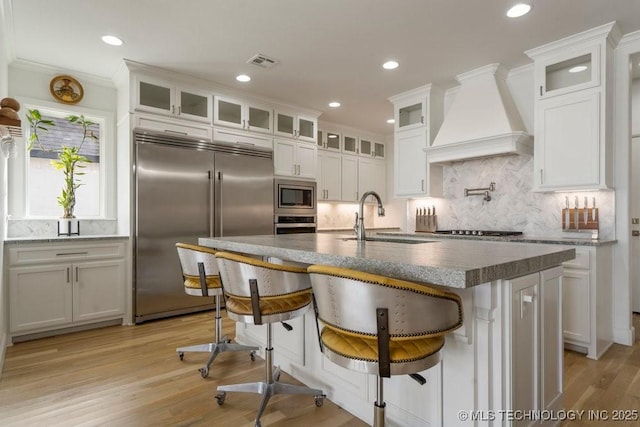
[(294, 206)]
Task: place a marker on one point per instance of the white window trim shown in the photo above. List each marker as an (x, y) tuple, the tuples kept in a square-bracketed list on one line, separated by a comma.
[(18, 171)]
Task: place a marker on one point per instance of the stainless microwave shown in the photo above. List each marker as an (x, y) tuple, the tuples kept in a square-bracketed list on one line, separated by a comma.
[(294, 197)]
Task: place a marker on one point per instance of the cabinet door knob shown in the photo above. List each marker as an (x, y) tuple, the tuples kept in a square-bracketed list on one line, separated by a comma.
[(421, 119), (541, 177), (179, 109), (540, 90), (422, 185)]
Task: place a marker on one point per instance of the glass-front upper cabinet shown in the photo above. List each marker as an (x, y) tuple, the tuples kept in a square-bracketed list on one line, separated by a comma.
[(242, 114), (329, 140), (410, 113), (577, 70), (296, 126), (163, 97), (350, 144), (371, 148)]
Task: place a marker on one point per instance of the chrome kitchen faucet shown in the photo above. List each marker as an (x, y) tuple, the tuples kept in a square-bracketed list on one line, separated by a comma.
[(359, 226)]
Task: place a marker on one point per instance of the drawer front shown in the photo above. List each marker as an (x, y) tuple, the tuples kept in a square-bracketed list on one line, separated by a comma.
[(581, 260), (64, 253), (172, 128), (245, 138)]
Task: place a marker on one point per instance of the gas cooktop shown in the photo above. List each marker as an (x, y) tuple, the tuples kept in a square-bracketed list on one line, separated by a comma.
[(480, 232)]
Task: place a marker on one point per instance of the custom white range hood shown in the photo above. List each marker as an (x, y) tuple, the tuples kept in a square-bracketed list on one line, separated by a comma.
[(482, 121)]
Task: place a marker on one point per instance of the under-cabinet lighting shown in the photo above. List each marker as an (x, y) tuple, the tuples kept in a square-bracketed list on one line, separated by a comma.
[(518, 10), (332, 136), (243, 78), (112, 40), (334, 104), (391, 121), (390, 65), (578, 69)]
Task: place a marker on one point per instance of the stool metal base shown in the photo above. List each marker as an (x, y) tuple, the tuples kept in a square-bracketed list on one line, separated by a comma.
[(215, 349), (271, 386)]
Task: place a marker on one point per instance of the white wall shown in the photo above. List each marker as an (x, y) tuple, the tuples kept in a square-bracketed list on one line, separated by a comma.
[(4, 303)]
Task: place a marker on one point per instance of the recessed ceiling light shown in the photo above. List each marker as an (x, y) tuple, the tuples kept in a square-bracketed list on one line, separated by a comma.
[(391, 121), (334, 104), (578, 69), (390, 65), (243, 78), (518, 10), (112, 40)]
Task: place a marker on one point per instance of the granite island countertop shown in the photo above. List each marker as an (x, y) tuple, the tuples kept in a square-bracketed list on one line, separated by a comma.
[(447, 262)]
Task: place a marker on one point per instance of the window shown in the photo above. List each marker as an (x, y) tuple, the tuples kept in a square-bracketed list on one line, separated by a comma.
[(45, 182), (35, 183)]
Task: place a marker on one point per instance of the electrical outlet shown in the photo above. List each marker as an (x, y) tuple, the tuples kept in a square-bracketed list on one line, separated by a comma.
[(635, 221)]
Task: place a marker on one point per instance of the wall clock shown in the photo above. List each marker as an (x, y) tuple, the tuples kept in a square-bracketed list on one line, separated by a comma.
[(66, 89)]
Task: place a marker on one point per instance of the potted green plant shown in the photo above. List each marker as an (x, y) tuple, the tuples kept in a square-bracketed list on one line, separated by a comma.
[(69, 161)]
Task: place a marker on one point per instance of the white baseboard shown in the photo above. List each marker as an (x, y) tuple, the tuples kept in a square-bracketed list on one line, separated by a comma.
[(3, 350), (624, 336)]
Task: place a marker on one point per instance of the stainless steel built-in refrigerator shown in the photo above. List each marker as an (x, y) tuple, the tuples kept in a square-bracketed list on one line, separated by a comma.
[(186, 189)]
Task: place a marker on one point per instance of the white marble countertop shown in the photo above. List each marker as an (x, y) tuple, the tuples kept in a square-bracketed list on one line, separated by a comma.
[(574, 240), (60, 239), (447, 262)]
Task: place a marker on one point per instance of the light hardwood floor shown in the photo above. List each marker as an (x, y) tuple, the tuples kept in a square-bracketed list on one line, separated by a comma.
[(131, 376)]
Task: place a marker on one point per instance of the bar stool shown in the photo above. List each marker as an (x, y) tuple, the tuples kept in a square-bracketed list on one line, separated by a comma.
[(379, 325), (201, 278), (259, 292)]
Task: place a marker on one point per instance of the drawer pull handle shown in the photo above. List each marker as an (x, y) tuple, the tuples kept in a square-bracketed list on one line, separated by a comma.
[(72, 253)]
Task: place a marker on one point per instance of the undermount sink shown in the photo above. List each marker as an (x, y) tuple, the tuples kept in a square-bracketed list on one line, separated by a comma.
[(390, 240)]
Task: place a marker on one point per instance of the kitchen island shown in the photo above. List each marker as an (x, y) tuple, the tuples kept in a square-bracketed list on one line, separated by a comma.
[(506, 358)]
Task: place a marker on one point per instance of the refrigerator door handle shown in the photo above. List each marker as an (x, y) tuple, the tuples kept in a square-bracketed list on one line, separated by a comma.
[(221, 204), (211, 203)]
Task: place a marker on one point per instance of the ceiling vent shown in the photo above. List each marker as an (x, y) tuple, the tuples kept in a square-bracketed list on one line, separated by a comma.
[(262, 61)]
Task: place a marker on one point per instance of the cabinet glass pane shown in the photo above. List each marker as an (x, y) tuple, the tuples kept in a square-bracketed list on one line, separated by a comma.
[(365, 146), (155, 96), (410, 115), (350, 144), (196, 105), (285, 123), (259, 118), (378, 149), (333, 140), (568, 73), (306, 128), (229, 112)]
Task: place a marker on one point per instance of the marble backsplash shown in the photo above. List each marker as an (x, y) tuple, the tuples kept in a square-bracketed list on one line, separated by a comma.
[(513, 205), (342, 215), (49, 227)]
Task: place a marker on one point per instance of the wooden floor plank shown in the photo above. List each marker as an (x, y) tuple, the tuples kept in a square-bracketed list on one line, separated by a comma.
[(132, 376)]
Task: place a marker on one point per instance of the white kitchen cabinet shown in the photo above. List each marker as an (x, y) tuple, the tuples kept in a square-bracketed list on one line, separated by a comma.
[(573, 112), (536, 354), (587, 315), (413, 175), (65, 285), (292, 158), (329, 179), (350, 179), (369, 148), (372, 176), (350, 144), (329, 140), (171, 126), (240, 137), (241, 114), (567, 143), (296, 125), (418, 116), (159, 96)]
